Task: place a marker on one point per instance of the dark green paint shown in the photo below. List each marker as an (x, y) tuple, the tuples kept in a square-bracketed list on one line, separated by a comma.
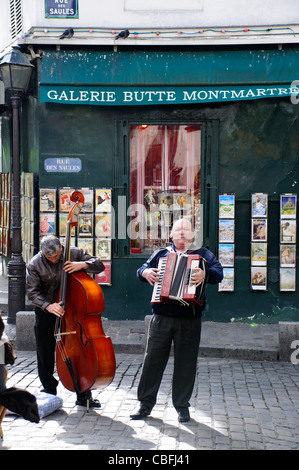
[(246, 147), (170, 67)]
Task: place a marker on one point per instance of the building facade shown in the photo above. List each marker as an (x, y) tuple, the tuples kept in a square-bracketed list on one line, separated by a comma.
[(173, 120)]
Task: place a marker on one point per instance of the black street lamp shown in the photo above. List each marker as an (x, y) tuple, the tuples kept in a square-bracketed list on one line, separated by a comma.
[(16, 72)]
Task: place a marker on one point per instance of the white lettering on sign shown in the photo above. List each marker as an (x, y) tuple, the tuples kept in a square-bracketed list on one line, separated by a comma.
[(119, 96), (64, 165)]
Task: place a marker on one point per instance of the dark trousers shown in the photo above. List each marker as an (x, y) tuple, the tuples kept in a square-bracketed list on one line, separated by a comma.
[(185, 335), (45, 348)]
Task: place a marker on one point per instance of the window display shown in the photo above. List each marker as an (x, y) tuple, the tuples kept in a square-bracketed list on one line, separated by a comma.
[(165, 176)]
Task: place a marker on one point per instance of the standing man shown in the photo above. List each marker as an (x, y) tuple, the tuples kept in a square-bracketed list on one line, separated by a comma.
[(172, 322), (43, 281)]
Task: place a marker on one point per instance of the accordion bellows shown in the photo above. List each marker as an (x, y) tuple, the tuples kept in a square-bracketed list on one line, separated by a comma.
[(175, 280)]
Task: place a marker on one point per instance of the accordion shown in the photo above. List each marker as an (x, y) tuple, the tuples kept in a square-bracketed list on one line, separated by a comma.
[(175, 280)]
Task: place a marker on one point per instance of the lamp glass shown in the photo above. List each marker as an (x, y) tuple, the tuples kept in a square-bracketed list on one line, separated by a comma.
[(16, 70)]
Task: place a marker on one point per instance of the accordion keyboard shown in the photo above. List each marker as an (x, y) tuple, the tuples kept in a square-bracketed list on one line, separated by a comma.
[(158, 284)]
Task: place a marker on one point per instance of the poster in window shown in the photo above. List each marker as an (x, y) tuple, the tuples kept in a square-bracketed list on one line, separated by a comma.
[(287, 256), (151, 199), (65, 203), (259, 230), (165, 201), (103, 225), (259, 253), (47, 199), (259, 205), (226, 206), (104, 278), (287, 279), (47, 223), (153, 218), (228, 282), (226, 254), (85, 225), (181, 201), (166, 218), (288, 206), (226, 231), (103, 248), (103, 200), (258, 278), (288, 229)]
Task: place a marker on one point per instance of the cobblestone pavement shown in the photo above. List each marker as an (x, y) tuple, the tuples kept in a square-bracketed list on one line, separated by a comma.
[(236, 405)]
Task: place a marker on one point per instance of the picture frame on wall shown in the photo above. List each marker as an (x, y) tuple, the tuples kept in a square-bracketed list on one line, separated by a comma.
[(104, 278), (86, 244), (288, 229), (259, 205), (226, 230), (228, 282), (103, 225), (288, 206), (65, 203), (88, 199), (259, 254), (259, 229), (103, 248), (85, 225), (287, 279), (62, 225), (258, 278), (47, 200), (226, 252), (287, 255), (226, 206), (103, 200), (47, 223)]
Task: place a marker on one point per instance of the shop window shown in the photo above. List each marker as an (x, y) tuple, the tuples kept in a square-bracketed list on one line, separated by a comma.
[(165, 177)]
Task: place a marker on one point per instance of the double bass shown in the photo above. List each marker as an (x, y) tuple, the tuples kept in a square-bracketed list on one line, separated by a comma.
[(85, 357)]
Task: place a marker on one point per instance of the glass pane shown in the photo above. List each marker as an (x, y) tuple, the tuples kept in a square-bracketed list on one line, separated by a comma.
[(164, 182)]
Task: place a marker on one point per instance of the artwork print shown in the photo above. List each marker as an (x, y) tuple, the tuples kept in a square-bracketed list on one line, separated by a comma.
[(259, 205), (288, 206), (226, 206)]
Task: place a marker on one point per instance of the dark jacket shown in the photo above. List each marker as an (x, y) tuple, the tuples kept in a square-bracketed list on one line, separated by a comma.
[(43, 277), (214, 273)]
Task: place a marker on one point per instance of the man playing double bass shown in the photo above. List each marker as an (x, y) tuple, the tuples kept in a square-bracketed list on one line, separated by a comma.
[(43, 281)]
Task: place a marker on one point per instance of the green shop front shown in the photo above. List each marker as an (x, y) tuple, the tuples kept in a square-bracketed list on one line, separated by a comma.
[(152, 135)]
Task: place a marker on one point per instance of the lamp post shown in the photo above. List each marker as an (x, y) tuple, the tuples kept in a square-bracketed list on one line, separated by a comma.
[(16, 72)]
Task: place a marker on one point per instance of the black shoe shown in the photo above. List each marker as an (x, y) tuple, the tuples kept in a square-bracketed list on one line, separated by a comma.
[(142, 413), (183, 415), (87, 401)]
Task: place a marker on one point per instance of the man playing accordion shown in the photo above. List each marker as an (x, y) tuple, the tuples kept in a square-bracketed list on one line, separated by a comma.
[(177, 323)]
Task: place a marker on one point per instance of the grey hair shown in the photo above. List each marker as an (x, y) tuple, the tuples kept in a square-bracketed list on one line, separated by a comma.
[(50, 245)]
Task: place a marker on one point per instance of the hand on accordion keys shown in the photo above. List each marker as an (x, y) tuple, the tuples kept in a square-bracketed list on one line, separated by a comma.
[(151, 275), (198, 276)]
